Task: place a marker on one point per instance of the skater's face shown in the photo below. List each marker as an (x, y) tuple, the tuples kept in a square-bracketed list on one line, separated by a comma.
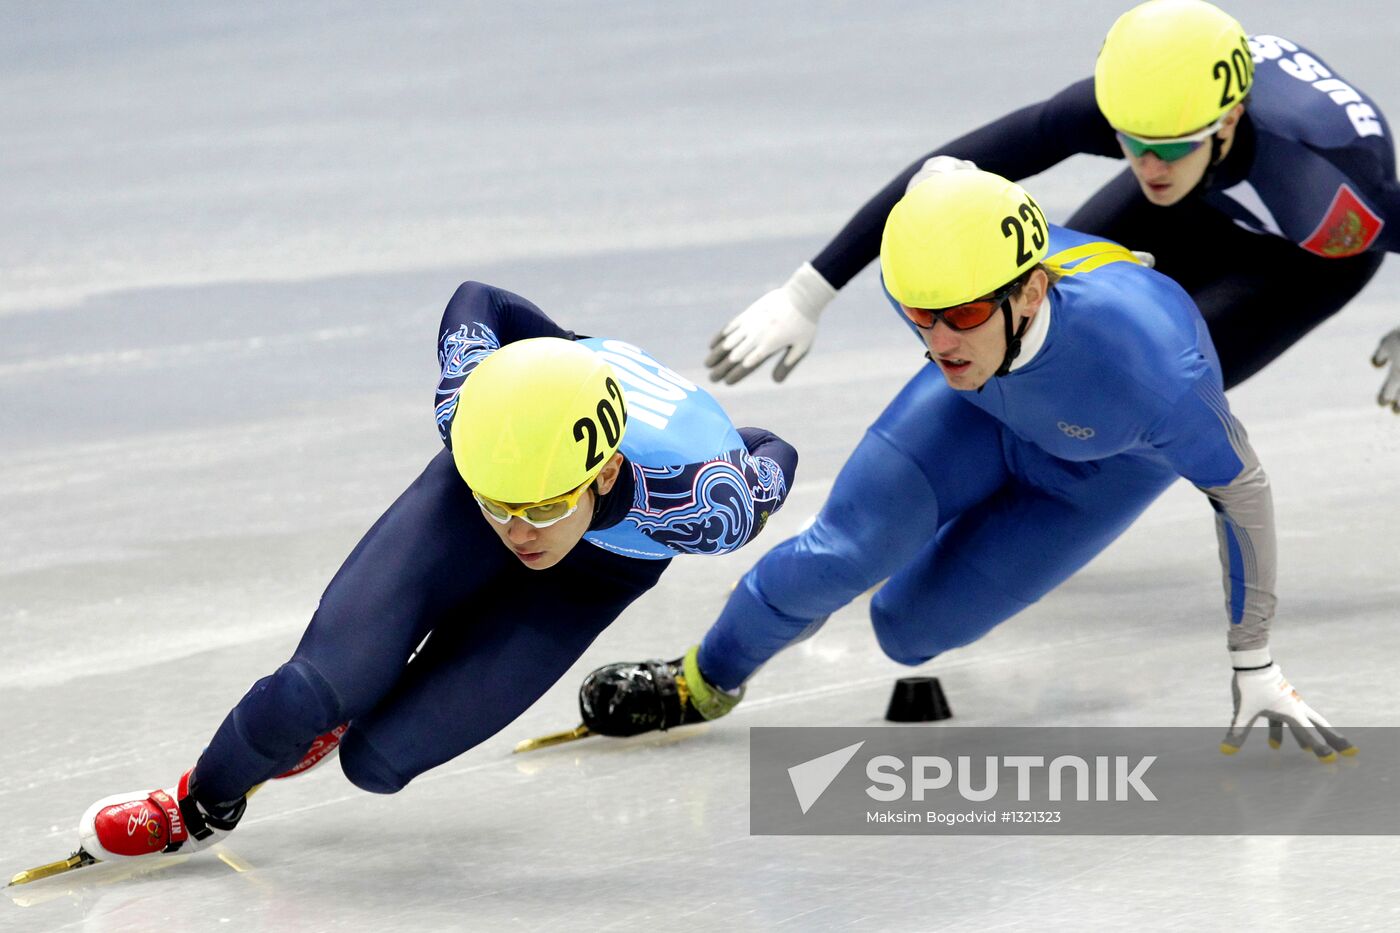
[(1164, 181), (541, 548), (968, 358)]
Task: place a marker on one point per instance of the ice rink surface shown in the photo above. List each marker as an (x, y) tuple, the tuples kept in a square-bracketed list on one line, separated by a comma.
[(228, 233)]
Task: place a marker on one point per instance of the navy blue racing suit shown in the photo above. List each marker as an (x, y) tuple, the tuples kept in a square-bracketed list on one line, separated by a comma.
[(1286, 230), (498, 634)]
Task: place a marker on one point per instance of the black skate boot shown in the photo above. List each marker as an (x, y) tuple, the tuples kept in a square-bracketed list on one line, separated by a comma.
[(635, 697)]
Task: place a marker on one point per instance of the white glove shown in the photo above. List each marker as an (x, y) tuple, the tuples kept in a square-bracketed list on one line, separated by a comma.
[(939, 165), (1389, 352), (783, 319), (1263, 691)]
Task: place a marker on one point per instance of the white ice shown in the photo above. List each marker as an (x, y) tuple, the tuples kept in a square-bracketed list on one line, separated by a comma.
[(228, 231)]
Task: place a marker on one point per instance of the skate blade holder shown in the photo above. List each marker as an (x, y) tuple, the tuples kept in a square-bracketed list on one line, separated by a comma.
[(554, 738), (79, 859)]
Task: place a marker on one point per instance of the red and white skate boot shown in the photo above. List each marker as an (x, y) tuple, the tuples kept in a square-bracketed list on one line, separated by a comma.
[(159, 822), (323, 749)]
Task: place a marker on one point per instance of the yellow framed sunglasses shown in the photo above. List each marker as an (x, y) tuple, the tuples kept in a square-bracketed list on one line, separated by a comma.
[(539, 514)]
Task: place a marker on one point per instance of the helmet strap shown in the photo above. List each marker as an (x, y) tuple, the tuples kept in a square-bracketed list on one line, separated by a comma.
[(597, 499), (1013, 341), (610, 509), (1217, 146)]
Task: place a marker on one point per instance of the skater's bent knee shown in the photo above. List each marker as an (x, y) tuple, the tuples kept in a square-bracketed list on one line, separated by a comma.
[(909, 636), (291, 706), (366, 768), (912, 629), (894, 638)]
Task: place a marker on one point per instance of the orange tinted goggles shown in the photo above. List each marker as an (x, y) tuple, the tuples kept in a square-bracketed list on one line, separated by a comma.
[(965, 316)]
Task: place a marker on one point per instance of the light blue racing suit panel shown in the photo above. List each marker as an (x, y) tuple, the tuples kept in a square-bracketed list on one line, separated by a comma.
[(698, 484), (698, 489)]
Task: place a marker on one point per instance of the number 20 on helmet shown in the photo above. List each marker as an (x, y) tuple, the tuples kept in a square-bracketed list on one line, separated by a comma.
[(537, 419)]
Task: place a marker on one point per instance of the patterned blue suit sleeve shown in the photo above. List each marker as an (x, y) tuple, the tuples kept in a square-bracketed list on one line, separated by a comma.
[(717, 506), (480, 319)]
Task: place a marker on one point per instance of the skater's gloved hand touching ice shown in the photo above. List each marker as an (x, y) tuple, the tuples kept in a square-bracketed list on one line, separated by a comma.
[(1389, 353), (784, 319), (1260, 690)]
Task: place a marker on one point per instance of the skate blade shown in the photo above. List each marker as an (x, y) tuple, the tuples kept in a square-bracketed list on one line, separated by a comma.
[(556, 738), (79, 859), (104, 874)]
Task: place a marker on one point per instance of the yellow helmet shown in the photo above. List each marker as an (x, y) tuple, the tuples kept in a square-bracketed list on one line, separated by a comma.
[(959, 236), (537, 418), (1169, 68)]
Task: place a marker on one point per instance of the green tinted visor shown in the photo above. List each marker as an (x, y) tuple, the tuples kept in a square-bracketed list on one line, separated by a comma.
[(1168, 150)]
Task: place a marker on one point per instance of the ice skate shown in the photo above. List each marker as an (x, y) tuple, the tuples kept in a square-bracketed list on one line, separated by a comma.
[(631, 698), (159, 822)]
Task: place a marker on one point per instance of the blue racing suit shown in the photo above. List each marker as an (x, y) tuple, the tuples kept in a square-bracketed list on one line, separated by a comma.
[(976, 504)]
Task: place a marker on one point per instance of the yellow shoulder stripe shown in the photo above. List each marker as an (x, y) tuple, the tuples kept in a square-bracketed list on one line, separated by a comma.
[(1088, 257)]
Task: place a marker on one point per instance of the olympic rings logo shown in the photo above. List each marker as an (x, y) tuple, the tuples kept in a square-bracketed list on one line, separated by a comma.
[(1075, 431), (143, 820)]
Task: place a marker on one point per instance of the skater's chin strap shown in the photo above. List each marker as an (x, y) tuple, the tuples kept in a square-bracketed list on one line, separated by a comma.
[(610, 509), (1228, 169), (1013, 341)]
